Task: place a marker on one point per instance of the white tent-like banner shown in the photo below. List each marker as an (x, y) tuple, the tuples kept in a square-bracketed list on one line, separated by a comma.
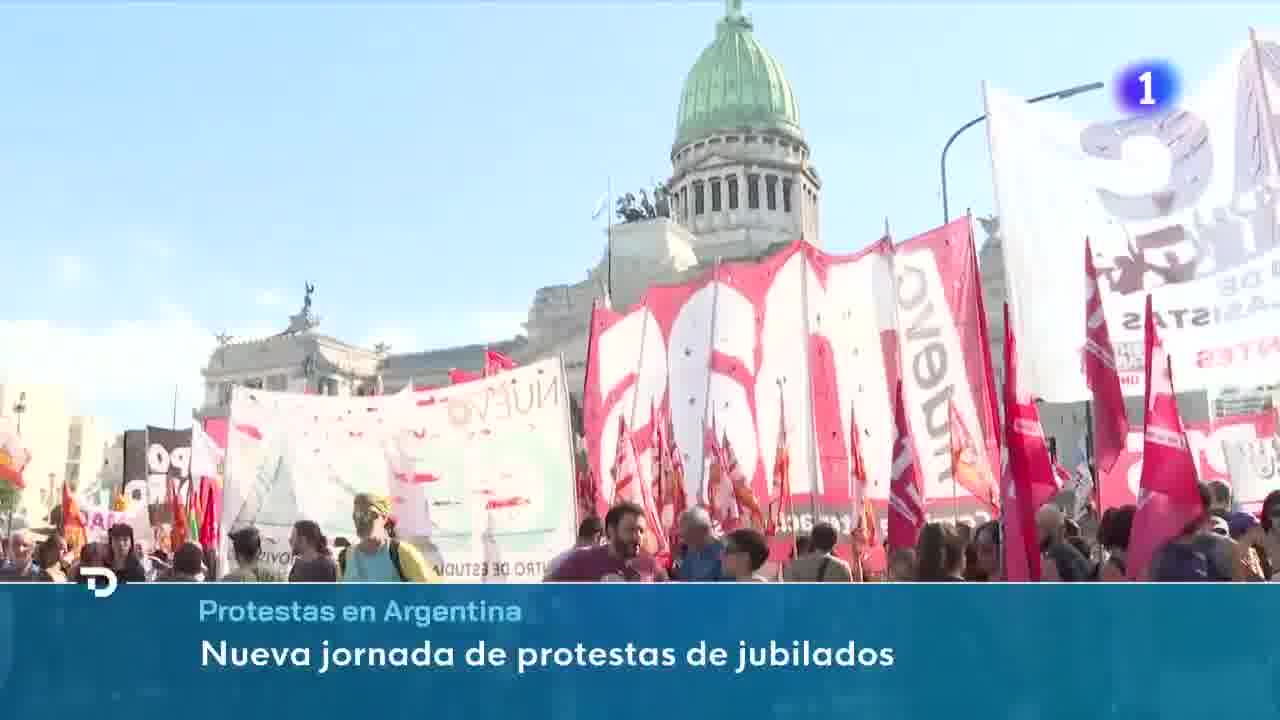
[(480, 474), (1181, 205)]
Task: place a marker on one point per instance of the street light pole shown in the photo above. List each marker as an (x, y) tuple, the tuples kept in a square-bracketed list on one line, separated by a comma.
[(19, 409), (1059, 95)]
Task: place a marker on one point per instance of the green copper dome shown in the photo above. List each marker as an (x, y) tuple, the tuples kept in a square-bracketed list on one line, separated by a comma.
[(735, 85)]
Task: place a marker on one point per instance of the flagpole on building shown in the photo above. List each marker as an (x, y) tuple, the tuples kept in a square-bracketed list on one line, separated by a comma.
[(608, 240), (173, 422)]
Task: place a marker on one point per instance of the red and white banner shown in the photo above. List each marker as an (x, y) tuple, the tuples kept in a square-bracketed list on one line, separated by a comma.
[(821, 332), (1207, 440)]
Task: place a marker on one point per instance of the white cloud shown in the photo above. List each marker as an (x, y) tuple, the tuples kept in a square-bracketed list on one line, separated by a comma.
[(401, 340), (268, 298), (125, 373), (69, 270)]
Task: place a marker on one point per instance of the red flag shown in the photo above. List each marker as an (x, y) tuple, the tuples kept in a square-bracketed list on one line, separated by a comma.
[(780, 505), (14, 455), (1029, 481), (209, 506), (1169, 494), (968, 467), (744, 498), (906, 496), (1110, 421), (457, 377), (178, 533), (630, 485), (674, 495), (496, 362), (72, 523)]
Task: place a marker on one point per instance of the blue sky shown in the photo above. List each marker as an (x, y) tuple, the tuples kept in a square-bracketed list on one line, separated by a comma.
[(167, 172)]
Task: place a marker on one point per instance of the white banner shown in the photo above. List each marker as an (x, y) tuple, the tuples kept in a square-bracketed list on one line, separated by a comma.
[(1180, 205), (480, 474), (1254, 466)]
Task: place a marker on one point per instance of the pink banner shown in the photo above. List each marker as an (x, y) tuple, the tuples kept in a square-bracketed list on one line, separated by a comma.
[(216, 429), (731, 342), (1120, 486)]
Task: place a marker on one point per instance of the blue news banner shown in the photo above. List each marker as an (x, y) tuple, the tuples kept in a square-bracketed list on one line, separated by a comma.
[(631, 651)]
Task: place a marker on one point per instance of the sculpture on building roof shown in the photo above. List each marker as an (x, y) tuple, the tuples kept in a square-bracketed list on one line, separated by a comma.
[(629, 210), (305, 319)]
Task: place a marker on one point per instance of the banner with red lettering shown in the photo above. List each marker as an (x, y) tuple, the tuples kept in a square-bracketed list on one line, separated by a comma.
[(821, 331)]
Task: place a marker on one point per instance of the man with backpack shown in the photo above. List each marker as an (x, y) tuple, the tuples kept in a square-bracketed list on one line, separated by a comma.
[(379, 556)]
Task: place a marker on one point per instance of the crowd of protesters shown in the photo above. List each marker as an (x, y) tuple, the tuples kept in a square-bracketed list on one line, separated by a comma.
[(1224, 544)]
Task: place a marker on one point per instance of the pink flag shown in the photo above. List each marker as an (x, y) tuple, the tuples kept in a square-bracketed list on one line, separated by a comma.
[(1029, 481), (906, 497), (457, 377), (496, 362), (630, 485), (1110, 422), (1169, 492)]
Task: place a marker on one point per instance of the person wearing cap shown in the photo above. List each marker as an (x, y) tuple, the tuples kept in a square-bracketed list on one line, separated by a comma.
[(379, 556), (1247, 532), (246, 548)]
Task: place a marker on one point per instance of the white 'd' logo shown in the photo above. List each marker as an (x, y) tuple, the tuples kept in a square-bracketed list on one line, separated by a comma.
[(93, 574)]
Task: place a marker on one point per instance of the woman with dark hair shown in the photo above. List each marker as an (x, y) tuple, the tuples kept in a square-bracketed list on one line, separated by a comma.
[(1113, 536), (940, 554), (92, 555), (313, 562), (746, 550), (123, 555)]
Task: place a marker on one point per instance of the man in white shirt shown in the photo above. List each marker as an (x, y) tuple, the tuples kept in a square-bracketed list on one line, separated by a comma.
[(589, 534)]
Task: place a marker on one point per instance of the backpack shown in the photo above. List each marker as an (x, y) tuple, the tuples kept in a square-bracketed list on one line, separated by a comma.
[(394, 549)]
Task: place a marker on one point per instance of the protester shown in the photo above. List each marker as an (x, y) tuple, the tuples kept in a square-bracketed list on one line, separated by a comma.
[(939, 554), (700, 554), (1113, 535), (313, 561), (1251, 563), (124, 556), (1196, 554), (92, 555), (982, 556), (590, 531), (379, 556), (1220, 500), (21, 565), (1270, 519), (49, 557), (803, 546), (1060, 561), (619, 558), (746, 550), (246, 550), (188, 564), (821, 564), (902, 565)]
